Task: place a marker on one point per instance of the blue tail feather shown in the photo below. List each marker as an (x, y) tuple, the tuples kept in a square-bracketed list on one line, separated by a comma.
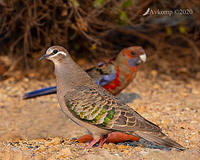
[(40, 92)]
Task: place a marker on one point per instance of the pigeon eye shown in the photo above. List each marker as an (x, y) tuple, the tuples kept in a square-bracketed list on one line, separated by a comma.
[(55, 51), (133, 53)]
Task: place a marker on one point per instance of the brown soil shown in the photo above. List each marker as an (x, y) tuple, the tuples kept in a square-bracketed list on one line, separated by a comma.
[(37, 129)]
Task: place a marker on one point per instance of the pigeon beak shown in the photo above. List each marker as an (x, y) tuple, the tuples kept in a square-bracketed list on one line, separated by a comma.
[(143, 57), (43, 57)]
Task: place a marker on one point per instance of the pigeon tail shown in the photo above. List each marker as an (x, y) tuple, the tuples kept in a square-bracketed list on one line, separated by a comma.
[(160, 139)]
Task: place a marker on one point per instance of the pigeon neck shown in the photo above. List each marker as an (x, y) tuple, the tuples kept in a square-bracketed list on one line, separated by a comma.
[(70, 75)]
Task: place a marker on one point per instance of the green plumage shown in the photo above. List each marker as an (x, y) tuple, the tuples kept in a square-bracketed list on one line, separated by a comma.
[(95, 111), (109, 117), (103, 111)]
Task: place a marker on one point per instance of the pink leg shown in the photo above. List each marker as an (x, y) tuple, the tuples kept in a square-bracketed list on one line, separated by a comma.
[(93, 142), (102, 141)]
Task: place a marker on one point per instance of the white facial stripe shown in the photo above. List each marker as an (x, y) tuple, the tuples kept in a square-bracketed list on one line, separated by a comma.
[(49, 51), (143, 57), (61, 52)]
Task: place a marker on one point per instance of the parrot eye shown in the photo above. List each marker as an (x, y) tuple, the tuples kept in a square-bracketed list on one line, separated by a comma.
[(133, 53), (55, 51)]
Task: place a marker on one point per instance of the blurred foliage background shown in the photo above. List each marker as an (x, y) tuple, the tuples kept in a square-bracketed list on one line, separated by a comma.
[(96, 30)]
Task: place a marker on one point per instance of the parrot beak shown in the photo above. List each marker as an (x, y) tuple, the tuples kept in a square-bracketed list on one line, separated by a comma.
[(43, 57), (143, 57)]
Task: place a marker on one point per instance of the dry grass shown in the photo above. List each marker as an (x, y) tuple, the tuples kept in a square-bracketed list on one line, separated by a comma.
[(97, 30)]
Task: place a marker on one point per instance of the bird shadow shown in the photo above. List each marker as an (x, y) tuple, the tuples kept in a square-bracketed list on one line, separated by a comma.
[(145, 144), (128, 97), (142, 143)]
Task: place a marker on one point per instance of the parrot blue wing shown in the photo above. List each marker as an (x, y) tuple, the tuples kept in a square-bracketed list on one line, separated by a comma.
[(105, 79)]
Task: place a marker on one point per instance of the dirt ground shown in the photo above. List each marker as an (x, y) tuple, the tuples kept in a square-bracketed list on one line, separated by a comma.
[(37, 129)]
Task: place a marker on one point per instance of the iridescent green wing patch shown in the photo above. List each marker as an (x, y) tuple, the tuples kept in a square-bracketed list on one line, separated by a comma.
[(103, 111), (89, 105), (109, 117)]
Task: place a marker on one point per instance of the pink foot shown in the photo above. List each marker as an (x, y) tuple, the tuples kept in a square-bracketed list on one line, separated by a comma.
[(93, 142), (102, 141)]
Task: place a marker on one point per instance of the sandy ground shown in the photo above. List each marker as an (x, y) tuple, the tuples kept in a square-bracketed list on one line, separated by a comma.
[(37, 129)]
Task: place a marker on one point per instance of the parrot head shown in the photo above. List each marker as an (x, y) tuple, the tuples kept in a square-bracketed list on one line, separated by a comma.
[(134, 55)]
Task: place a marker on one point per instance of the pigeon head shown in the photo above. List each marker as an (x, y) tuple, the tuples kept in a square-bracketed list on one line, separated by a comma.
[(55, 54), (135, 55)]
